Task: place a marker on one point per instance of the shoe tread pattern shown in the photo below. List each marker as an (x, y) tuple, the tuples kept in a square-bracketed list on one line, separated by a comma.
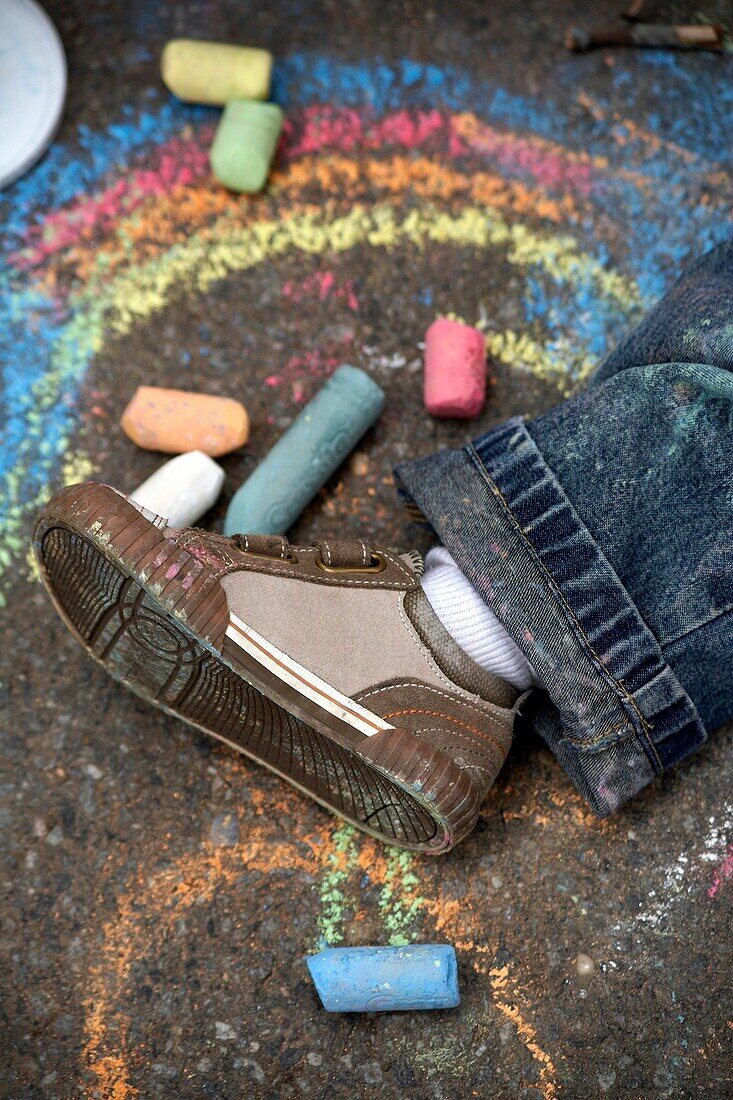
[(145, 647)]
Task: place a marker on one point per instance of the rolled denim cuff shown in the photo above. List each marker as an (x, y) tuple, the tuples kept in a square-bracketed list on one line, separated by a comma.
[(615, 714)]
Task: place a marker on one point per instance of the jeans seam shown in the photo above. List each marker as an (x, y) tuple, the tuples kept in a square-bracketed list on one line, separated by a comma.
[(617, 685), (619, 733)]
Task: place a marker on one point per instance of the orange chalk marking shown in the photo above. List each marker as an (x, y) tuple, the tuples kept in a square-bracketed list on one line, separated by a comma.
[(167, 219)]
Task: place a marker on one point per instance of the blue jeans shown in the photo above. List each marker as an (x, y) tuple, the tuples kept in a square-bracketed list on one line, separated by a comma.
[(601, 534)]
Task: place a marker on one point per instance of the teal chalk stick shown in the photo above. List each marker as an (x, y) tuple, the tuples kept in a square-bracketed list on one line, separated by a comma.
[(244, 144), (315, 444)]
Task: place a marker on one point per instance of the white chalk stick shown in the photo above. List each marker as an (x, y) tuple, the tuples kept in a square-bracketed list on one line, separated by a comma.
[(183, 489)]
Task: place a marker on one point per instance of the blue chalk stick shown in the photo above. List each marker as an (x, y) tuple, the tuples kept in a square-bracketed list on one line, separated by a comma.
[(315, 444), (386, 979)]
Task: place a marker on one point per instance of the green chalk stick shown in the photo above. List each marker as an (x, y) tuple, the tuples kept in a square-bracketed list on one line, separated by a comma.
[(244, 144), (315, 444)]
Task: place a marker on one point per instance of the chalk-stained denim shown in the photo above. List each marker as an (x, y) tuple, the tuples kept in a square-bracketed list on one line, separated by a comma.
[(601, 534)]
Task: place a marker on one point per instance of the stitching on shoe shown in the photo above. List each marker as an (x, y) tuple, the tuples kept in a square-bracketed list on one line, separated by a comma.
[(466, 677), (412, 577), (420, 645), (487, 772), (497, 711), (447, 718), (244, 566), (244, 547), (232, 564)]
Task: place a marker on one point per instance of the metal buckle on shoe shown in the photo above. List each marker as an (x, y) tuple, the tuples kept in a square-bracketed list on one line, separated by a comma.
[(377, 564)]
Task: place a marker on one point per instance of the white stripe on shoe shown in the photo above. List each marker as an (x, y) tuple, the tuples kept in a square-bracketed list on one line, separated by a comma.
[(306, 683)]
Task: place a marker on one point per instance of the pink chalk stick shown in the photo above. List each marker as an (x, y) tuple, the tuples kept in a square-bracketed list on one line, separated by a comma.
[(455, 369)]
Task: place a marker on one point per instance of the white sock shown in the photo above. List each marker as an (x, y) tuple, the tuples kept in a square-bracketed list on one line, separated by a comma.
[(471, 622)]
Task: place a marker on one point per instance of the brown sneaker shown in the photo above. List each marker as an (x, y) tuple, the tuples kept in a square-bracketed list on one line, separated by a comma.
[(325, 663)]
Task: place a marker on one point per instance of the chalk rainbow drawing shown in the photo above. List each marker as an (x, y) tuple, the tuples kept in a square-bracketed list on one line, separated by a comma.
[(120, 222), (340, 857), (100, 238)]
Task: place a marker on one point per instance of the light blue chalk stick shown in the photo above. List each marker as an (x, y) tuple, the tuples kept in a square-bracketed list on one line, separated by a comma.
[(315, 444), (386, 979)]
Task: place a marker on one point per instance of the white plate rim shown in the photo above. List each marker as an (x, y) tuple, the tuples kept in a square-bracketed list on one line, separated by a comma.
[(40, 139)]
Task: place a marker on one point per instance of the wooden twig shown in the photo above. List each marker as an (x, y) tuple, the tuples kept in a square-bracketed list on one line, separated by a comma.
[(634, 12), (647, 35)]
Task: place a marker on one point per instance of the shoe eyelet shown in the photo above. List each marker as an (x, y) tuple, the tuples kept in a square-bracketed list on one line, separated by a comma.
[(377, 564)]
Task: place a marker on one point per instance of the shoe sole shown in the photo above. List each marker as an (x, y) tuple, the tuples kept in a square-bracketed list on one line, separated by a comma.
[(156, 618)]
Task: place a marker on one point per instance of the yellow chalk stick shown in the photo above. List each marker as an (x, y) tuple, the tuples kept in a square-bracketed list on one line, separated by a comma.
[(214, 72)]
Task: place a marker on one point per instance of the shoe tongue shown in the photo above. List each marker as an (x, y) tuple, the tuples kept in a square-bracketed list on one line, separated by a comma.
[(414, 560)]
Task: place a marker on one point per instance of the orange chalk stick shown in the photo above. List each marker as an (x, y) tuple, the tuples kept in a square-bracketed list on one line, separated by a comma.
[(175, 421)]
